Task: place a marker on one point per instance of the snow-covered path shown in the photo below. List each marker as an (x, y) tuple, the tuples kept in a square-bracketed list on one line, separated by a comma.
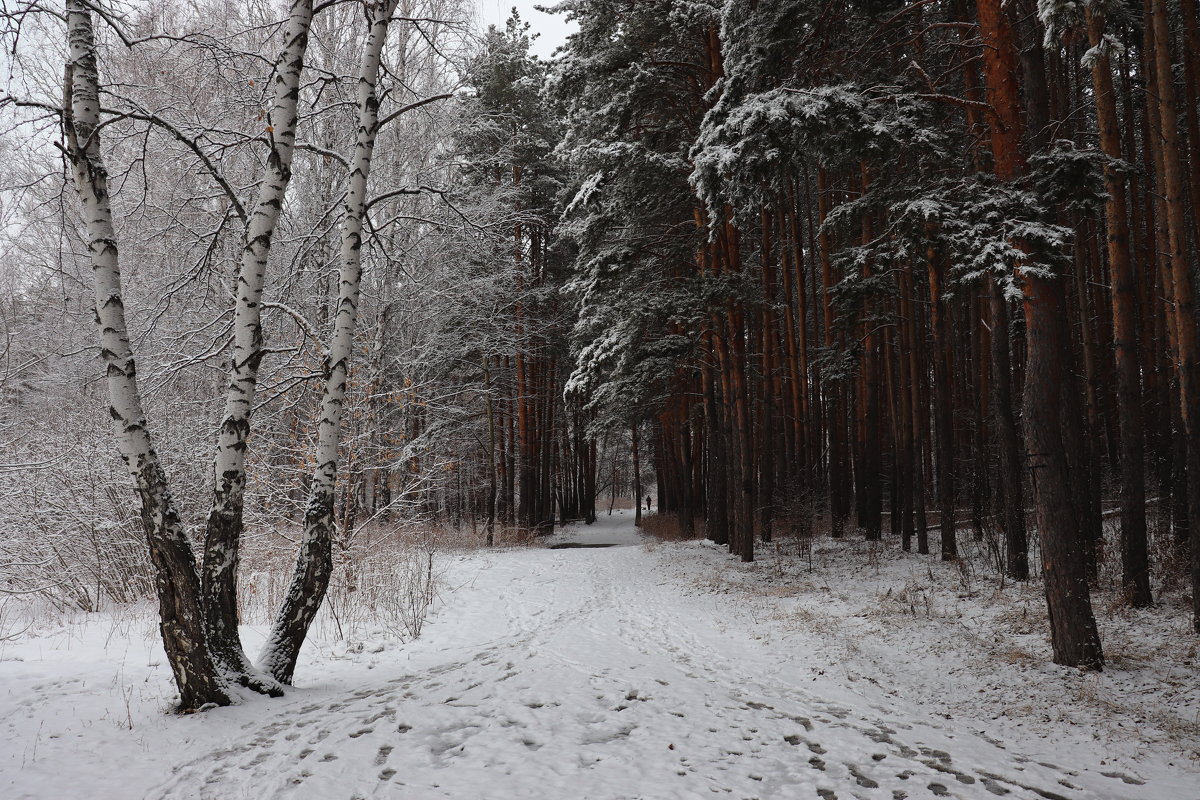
[(590, 673), (581, 673)]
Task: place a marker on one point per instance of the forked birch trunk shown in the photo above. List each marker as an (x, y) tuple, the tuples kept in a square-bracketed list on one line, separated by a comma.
[(224, 529)]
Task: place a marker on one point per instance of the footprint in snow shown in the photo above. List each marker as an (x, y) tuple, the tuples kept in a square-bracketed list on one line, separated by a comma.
[(861, 779), (1124, 778)]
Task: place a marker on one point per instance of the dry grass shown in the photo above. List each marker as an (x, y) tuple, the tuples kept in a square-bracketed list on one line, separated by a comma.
[(514, 536), (385, 576), (667, 528)]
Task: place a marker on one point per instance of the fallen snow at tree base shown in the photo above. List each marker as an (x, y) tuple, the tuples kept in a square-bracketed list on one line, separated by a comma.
[(652, 671)]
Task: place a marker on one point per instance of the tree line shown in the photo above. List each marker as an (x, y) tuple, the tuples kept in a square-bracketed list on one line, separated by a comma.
[(909, 269), (926, 263)]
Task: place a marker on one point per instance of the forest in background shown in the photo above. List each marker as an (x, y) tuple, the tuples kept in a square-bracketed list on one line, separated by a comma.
[(911, 270)]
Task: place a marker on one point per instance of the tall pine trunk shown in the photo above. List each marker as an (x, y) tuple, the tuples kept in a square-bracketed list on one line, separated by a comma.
[(1183, 309), (1016, 546), (1074, 636), (1135, 566), (943, 402), (637, 476)]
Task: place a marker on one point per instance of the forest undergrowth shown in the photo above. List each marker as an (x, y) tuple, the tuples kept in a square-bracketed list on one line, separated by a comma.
[(386, 579), (883, 617)]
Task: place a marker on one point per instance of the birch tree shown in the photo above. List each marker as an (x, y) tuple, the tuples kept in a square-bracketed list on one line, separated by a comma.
[(177, 581), (191, 207), (225, 520), (314, 561)]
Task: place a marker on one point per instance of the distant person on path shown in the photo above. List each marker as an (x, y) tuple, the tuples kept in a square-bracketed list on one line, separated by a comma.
[(649, 500)]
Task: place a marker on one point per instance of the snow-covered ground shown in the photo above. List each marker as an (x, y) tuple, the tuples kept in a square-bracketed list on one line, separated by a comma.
[(640, 671)]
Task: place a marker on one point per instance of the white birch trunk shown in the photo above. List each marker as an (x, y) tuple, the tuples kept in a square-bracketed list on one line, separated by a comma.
[(314, 561), (222, 539), (176, 579)]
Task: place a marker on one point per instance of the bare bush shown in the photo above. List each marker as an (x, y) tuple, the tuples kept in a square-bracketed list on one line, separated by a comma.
[(796, 518), (70, 535), (385, 579), (404, 606), (663, 526)]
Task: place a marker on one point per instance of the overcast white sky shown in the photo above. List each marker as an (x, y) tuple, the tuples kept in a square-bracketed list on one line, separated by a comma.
[(552, 27)]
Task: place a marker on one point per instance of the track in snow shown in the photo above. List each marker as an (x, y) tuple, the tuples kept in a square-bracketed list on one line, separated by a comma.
[(594, 673)]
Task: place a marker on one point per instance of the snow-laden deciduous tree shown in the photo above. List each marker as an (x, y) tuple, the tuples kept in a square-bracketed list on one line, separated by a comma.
[(212, 196), (315, 562), (223, 534), (180, 610)]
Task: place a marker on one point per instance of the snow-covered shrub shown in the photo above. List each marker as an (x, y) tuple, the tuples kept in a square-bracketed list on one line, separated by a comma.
[(384, 580), (69, 532), (404, 606)]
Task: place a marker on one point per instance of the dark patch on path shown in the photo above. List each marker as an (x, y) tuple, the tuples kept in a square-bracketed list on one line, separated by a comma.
[(574, 545)]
